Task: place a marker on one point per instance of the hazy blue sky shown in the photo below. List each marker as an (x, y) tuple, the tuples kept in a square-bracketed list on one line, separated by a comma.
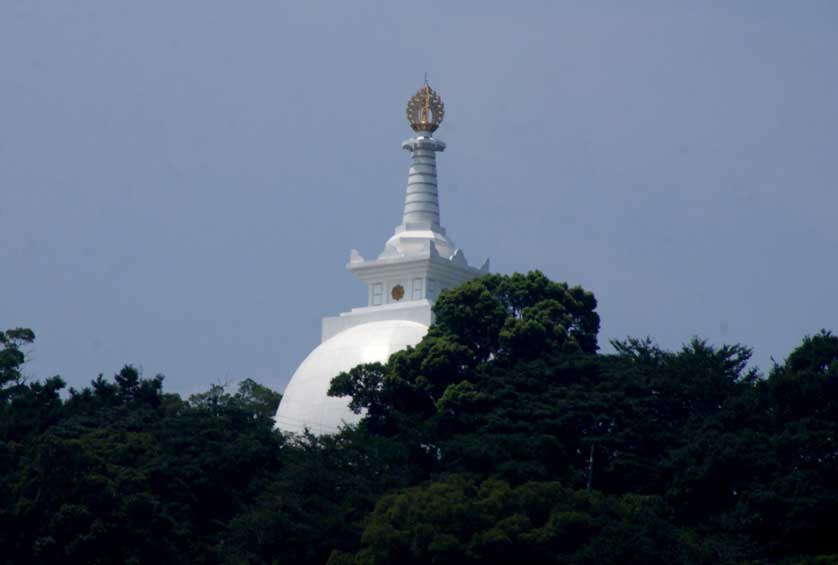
[(181, 182)]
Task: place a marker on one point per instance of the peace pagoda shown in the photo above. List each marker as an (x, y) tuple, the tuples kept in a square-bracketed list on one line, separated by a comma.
[(417, 262)]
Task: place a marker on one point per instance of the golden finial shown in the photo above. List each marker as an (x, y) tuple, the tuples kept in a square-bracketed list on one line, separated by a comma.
[(425, 109)]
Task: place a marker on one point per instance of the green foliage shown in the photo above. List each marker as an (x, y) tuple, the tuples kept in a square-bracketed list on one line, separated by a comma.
[(491, 321), (120, 472), (818, 354), (518, 315), (11, 359), (504, 436), (458, 520), (251, 399)]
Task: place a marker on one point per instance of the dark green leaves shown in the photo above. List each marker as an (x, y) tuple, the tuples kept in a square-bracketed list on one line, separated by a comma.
[(503, 437), (518, 315)]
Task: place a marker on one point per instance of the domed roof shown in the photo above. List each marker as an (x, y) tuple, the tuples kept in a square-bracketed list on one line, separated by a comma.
[(306, 404)]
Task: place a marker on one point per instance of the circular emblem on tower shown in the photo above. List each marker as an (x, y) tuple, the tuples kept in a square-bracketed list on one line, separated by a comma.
[(425, 109)]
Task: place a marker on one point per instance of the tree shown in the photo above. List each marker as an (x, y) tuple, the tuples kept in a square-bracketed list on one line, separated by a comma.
[(503, 436), (11, 359), (492, 320), (122, 472), (457, 520)]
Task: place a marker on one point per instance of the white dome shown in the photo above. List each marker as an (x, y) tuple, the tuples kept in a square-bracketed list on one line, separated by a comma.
[(305, 402)]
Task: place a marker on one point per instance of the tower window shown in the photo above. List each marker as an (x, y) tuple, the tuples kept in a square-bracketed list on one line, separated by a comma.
[(417, 289), (377, 294)]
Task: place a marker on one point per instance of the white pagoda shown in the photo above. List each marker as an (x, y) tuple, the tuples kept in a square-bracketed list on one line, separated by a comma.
[(417, 262)]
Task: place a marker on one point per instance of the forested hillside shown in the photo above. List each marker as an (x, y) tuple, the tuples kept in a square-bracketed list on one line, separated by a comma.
[(505, 436)]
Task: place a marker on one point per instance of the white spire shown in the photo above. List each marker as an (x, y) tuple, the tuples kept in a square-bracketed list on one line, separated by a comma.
[(421, 203), (419, 259), (420, 229)]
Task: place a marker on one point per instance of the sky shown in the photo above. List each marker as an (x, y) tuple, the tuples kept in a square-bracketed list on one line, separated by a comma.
[(181, 182)]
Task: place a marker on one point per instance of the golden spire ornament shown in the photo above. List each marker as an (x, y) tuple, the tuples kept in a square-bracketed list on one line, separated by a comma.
[(425, 109)]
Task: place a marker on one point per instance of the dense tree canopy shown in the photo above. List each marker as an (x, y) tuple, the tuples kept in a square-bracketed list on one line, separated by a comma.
[(504, 436)]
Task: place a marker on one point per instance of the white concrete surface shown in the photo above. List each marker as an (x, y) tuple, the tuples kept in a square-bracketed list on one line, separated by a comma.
[(306, 403)]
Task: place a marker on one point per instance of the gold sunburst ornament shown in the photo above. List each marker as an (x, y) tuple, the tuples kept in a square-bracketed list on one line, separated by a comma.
[(425, 109)]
